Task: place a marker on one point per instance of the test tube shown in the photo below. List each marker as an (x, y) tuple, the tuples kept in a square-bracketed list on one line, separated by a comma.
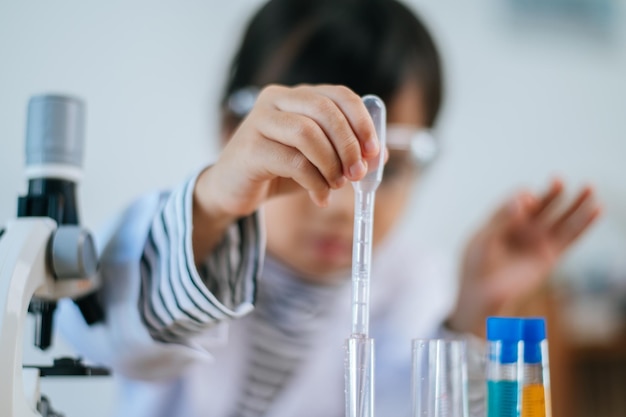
[(504, 344), (536, 373), (360, 377)]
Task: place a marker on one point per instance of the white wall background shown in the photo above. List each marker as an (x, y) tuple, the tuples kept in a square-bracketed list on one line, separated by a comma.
[(523, 103)]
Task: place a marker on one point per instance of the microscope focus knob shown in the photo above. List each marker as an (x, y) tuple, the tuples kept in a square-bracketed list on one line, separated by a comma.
[(73, 253)]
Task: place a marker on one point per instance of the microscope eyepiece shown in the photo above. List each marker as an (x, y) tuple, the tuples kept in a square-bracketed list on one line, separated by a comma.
[(55, 137), (55, 142)]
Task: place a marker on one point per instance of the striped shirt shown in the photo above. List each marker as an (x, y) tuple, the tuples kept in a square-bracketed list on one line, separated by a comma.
[(177, 301), (288, 315)]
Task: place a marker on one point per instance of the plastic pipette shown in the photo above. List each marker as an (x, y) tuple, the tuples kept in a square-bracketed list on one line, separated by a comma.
[(360, 362)]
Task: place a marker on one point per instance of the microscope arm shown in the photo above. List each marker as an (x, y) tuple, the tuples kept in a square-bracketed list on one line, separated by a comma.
[(23, 270), (38, 260)]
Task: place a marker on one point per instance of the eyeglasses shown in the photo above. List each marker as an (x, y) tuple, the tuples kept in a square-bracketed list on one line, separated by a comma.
[(241, 101), (420, 142)]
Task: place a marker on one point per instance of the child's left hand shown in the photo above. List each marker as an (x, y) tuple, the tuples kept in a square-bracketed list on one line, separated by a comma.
[(513, 254)]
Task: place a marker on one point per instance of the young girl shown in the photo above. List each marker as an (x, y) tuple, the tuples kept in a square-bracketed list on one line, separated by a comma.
[(230, 295)]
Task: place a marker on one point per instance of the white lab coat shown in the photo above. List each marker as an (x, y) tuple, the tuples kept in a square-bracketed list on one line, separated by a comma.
[(412, 291)]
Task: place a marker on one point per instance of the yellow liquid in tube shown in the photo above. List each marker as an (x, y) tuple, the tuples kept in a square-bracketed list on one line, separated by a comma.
[(534, 401)]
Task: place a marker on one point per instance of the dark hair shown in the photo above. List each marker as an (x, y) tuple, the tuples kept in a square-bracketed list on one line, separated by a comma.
[(370, 46)]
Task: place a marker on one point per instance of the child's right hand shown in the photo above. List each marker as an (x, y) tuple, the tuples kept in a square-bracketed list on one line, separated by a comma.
[(306, 137), (310, 138)]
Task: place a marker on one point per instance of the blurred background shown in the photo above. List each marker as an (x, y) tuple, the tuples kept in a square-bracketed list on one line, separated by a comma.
[(535, 89)]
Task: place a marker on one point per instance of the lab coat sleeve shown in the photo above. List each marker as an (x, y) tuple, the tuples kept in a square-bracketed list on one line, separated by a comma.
[(156, 302), (177, 301)]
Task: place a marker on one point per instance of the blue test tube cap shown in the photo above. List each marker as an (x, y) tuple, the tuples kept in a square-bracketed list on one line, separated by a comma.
[(507, 331), (533, 333)]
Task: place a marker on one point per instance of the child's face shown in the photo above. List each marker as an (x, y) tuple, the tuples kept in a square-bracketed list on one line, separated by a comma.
[(317, 242)]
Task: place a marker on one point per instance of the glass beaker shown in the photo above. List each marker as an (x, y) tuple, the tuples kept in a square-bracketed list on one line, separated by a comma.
[(439, 378)]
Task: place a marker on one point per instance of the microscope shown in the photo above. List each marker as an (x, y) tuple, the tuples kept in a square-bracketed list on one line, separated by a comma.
[(45, 255)]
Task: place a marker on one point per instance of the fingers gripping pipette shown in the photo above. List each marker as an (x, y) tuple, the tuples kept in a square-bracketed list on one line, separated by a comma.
[(360, 361)]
